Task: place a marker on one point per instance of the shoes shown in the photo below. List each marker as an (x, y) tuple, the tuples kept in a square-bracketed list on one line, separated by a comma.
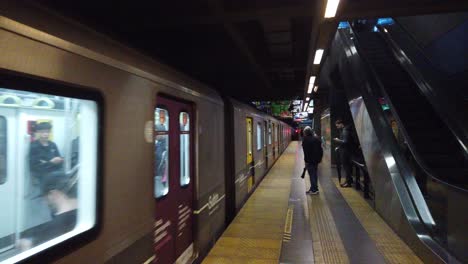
[(312, 192), (316, 192), (346, 185)]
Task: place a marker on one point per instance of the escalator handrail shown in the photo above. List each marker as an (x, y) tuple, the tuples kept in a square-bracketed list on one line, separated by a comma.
[(418, 204), (425, 88), (406, 63)]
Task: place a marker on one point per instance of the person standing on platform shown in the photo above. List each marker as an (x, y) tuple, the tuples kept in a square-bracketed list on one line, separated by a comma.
[(345, 149), (313, 153)]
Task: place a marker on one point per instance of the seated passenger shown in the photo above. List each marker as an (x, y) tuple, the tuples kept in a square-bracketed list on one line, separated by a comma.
[(44, 156), (60, 193)]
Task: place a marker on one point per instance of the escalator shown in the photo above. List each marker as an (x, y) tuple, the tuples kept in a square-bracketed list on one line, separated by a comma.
[(433, 141), (426, 163)]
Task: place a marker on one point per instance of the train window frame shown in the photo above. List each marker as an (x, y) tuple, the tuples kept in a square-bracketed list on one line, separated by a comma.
[(58, 247), (168, 165), (189, 136), (4, 178)]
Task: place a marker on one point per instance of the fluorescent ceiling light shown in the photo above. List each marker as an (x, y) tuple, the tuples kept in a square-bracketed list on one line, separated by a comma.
[(305, 107), (311, 80), (309, 90), (315, 88), (307, 99), (332, 6), (318, 56)]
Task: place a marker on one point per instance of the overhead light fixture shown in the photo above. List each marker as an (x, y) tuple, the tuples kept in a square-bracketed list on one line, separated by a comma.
[(307, 99), (315, 89), (332, 6), (305, 107), (311, 80), (309, 90), (318, 56)]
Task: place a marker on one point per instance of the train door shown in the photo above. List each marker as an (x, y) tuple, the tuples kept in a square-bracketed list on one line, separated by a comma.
[(173, 181), (8, 180), (250, 162), (265, 138)]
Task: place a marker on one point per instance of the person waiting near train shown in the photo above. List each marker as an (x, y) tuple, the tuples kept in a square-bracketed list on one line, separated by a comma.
[(312, 147), (345, 149), (44, 156), (60, 192)]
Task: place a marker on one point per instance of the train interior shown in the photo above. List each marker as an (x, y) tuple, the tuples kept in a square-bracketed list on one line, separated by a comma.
[(25, 205)]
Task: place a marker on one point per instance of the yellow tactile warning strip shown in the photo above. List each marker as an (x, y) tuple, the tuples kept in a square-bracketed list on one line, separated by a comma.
[(388, 243), (256, 233), (328, 247)]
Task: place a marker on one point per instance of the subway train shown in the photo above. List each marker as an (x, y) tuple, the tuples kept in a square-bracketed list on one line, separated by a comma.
[(132, 162)]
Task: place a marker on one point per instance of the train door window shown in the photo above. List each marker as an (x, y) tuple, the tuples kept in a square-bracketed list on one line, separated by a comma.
[(259, 136), (161, 142), (3, 150), (50, 194), (269, 132), (249, 140), (184, 123)]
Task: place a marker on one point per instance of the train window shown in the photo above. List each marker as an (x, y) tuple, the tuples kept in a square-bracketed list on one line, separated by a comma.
[(50, 194), (161, 143), (259, 136), (184, 123), (3, 150), (269, 133)]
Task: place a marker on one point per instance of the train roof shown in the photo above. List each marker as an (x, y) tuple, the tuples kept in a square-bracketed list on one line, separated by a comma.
[(79, 39), (237, 104)]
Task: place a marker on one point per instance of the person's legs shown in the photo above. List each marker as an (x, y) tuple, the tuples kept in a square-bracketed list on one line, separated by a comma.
[(338, 169), (346, 162), (312, 170)]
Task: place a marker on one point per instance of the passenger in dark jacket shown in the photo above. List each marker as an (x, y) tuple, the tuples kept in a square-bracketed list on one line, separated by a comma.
[(313, 153), (44, 156), (346, 149)]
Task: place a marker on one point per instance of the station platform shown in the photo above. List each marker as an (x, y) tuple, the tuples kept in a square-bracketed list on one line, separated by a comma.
[(280, 223)]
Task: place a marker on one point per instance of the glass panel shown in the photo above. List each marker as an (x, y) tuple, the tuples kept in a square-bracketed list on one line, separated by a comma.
[(184, 121), (161, 119), (54, 161), (3, 150), (161, 143), (184, 159), (269, 133), (259, 136)]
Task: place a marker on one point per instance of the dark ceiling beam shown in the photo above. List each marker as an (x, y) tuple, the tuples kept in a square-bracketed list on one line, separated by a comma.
[(240, 44), (232, 17), (395, 9)]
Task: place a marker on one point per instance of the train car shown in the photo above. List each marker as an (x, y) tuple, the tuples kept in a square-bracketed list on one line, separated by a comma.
[(257, 140), (107, 156), (150, 148)]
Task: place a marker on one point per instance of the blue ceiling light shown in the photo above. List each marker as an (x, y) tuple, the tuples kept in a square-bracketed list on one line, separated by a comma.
[(385, 21), (343, 24)]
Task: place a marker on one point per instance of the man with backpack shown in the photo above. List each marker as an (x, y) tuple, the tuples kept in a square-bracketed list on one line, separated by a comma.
[(312, 147)]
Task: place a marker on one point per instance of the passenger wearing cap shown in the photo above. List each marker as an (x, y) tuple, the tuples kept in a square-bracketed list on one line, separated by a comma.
[(44, 156), (312, 147)]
